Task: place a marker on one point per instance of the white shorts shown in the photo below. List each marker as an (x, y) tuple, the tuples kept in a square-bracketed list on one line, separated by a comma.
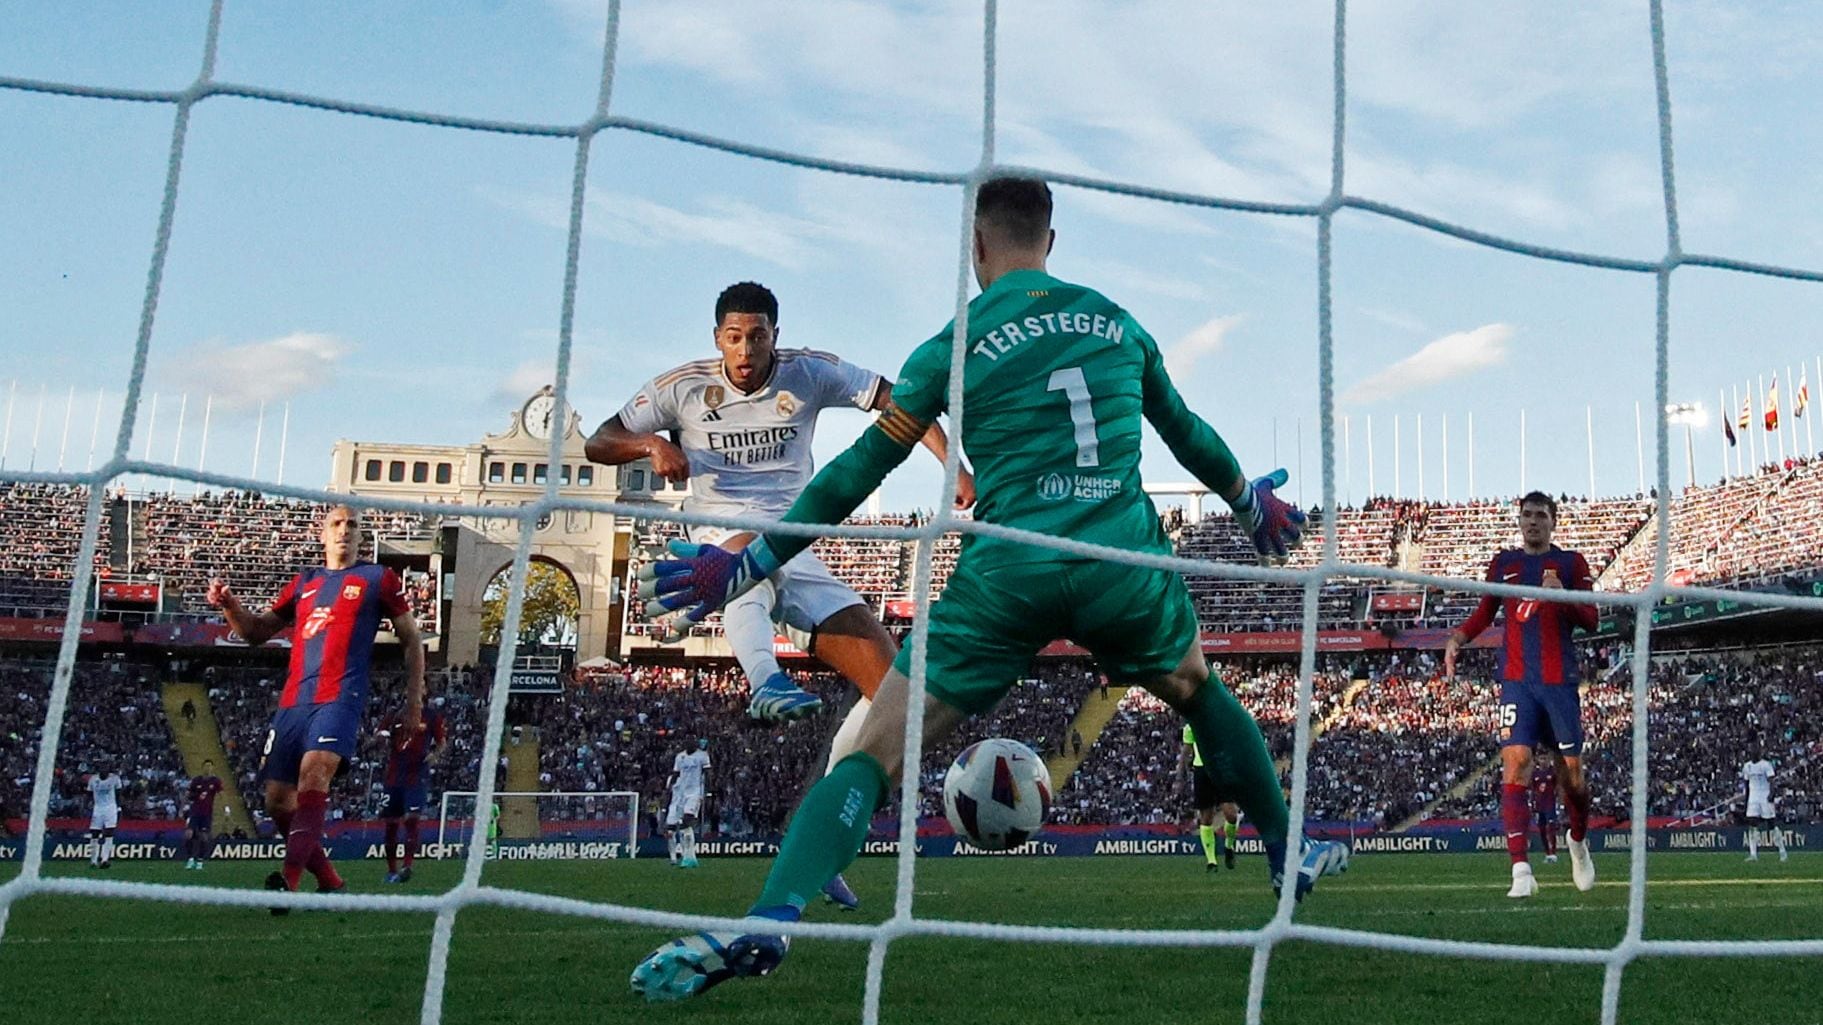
[(684, 806), (105, 819), (1761, 809), (802, 594)]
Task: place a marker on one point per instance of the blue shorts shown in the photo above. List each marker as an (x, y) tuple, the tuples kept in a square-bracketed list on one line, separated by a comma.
[(201, 823), (303, 728), (1534, 714), (403, 801)]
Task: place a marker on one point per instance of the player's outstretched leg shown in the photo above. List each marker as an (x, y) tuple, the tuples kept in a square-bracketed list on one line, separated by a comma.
[(747, 623)]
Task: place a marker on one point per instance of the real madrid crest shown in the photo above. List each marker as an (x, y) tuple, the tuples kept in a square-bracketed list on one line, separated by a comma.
[(787, 404), (713, 395)]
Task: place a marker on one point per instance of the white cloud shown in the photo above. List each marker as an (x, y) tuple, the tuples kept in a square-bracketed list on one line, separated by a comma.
[(1182, 356), (242, 376), (1453, 355)]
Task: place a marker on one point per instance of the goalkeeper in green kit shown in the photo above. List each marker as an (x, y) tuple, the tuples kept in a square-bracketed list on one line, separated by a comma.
[(1056, 381)]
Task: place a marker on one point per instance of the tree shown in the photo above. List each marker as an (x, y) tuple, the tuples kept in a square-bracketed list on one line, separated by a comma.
[(548, 615)]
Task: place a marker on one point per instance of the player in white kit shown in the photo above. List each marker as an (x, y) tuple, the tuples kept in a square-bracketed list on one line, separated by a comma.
[(688, 776), (740, 428), (104, 817), (1761, 814)]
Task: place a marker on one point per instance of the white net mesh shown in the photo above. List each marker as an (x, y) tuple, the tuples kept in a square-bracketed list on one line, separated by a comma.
[(904, 922)]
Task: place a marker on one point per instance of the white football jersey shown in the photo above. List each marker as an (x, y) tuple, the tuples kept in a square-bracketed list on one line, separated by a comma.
[(689, 767), (106, 792), (1759, 780), (749, 454)]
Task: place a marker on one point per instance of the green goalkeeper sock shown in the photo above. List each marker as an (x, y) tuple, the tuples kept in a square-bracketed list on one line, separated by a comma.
[(1231, 831), (825, 834), (1207, 834), (1235, 754)]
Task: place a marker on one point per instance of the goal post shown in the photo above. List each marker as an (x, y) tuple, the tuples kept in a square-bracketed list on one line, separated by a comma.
[(544, 816)]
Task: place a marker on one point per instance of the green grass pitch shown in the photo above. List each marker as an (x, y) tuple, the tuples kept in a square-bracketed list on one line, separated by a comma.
[(92, 961)]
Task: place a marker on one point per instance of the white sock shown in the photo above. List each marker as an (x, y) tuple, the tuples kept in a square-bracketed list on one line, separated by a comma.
[(688, 843), (671, 846), (107, 849), (848, 735), (1753, 841), (94, 848), (1778, 837), (747, 623)]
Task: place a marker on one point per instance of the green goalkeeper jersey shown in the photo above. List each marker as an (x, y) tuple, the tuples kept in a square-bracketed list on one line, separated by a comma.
[(1056, 380)]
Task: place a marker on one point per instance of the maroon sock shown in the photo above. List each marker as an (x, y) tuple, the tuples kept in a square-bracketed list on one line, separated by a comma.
[(411, 841), (1514, 812), (327, 878), (305, 836), (392, 846), (1577, 801)]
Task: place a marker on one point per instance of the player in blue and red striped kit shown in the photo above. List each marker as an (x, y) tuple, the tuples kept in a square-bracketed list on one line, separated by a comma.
[(408, 758), (1539, 702), (1544, 808), (334, 611)]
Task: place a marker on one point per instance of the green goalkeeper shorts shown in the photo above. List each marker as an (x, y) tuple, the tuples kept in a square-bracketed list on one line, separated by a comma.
[(989, 624)]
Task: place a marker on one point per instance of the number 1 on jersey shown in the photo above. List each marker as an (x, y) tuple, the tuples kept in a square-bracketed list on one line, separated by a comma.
[(1070, 381)]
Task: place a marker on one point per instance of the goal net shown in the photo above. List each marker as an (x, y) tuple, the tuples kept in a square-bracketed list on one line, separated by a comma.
[(906, 921), (539, 825)]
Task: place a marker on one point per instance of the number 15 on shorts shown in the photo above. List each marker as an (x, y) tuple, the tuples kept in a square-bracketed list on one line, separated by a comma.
[(1509, 714)]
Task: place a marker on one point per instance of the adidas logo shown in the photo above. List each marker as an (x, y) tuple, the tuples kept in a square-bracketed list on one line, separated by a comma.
[(712, 416)]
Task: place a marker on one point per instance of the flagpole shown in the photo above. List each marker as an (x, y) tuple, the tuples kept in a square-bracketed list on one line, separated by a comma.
[(1589, 421), (1758, 424), (1348, 466), (259, 428), (1446, 457), (95, 430), (1772, 406), (284, 436), (1398, 482), (1522, 487), (1639, 449), (1794, 409), (1420, 457), (1721, 396), (1811, 442), (69, 406), (1301, 465), (1734, 395), (177, 447), (202, 451), (1370, 456)]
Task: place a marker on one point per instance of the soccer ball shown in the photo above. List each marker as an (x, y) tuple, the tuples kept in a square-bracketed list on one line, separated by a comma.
[(997, 794)]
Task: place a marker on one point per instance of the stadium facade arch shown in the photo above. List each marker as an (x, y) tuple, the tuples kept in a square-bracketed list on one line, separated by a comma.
[(507, 470)]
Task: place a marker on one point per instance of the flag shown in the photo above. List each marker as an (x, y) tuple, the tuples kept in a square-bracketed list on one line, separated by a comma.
[(1728, 432), (1772, 405), (1743, 423), (1802, 400)]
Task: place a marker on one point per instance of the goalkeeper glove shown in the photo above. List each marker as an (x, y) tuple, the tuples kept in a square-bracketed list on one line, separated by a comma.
[(683, 591), (1274, 525)]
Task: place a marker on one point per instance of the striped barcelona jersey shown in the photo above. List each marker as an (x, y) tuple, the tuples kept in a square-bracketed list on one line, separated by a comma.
[(749, 453), (1536, 646), (1544, 788), (335, 614), (406, 756)]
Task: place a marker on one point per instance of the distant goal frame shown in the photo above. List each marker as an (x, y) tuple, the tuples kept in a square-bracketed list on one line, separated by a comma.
[(632, 819)]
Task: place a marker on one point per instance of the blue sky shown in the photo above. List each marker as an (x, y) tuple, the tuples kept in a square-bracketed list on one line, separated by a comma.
[(402, 282)]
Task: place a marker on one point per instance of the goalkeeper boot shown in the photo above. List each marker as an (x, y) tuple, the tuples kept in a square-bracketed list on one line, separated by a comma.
[(838, 893), (1582, 865), (1525, 884), (1317, 858), (780, 700), (688, 965)]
